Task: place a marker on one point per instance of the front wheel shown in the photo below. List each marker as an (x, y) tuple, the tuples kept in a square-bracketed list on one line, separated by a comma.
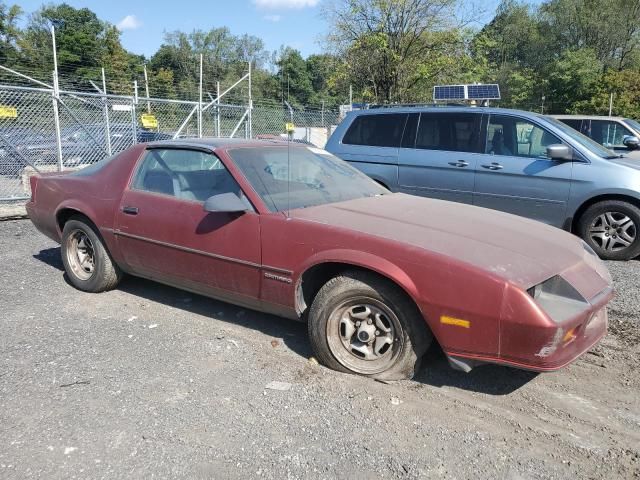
[(85, 258), (360, 323), (611, 229)]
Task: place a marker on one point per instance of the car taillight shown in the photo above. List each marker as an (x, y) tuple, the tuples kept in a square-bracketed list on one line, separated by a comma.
[(33, 182)]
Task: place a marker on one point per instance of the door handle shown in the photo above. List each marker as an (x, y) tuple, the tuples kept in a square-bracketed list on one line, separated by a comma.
[(493, 166), (459, 164), (130, 210)]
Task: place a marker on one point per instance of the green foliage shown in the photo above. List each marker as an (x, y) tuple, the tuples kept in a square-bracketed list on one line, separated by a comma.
[(574, 53)]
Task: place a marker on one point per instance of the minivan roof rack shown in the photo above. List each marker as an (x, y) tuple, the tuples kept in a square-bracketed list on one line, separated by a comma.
[(412, 105)]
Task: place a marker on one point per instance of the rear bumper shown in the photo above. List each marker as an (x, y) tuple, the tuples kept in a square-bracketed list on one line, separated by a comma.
[(43, 223)]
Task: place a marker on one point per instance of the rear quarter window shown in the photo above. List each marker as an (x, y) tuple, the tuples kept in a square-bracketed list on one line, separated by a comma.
[(379, 130)]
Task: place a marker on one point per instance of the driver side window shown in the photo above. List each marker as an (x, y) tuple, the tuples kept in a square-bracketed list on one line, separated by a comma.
[(186, 174), (512, 136)]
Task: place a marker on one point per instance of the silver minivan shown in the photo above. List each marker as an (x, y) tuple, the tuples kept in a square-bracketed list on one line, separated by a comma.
[(518, 162)]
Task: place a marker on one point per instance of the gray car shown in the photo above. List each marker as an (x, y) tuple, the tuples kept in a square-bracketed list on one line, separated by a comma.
[(518, 162), (622, 135)]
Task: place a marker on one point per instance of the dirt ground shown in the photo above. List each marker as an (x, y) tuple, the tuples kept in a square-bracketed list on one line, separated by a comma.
[(151, 382)]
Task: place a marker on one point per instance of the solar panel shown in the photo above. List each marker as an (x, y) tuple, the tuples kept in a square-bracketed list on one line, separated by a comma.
[(483, 92), (448, 92), (466, 92)]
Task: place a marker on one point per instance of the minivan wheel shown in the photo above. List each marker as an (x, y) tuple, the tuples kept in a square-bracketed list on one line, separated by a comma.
[(363, 324), (611, 228)]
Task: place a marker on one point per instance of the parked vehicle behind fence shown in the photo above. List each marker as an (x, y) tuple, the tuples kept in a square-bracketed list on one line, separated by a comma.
[(518, 162), (622, 135)]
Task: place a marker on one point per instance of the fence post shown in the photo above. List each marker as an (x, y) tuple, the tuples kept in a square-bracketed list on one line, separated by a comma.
[(249, 117), (200, 101), (134, 101), (107, 127), (56, 96), (218, 110)]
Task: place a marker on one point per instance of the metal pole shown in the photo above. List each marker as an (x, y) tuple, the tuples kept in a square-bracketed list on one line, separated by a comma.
[(218, 109), (107, 128), (134, 101), (146, 88), (611, 104), (350, 97), (322, 114), (200, 101), (249, 117), (56, 97)]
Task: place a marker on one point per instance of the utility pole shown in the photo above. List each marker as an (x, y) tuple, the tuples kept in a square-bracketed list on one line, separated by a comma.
[(350, 97), (611, 104), (542, 106)]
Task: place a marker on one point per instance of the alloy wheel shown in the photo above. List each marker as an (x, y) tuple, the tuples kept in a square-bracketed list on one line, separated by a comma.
[(613, 231)]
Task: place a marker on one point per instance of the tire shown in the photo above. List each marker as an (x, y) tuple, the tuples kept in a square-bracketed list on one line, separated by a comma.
[(357, 306), (88, 265), (612, 229)]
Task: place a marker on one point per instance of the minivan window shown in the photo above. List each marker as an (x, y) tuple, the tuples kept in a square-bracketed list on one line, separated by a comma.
[(608, 133), (583, 140), (409, 136), (517, 137), (456, 132), (376, 130)]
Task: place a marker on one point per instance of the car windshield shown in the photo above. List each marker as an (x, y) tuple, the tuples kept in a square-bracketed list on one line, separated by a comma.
[(633, 124), (583, 140), (299, 177)]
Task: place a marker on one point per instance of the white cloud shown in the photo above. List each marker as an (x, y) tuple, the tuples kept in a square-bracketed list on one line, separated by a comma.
[(273, 18), (130, 22), (285, 3)]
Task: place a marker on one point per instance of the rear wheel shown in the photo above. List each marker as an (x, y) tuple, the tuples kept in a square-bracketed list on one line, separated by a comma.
[(85, 258), (360, 323), (611, 228)]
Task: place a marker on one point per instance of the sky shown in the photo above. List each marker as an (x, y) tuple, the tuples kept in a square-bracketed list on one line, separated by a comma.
[(296, 23)]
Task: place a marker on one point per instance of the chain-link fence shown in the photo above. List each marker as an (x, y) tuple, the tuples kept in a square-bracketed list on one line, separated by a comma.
[(43, 131)]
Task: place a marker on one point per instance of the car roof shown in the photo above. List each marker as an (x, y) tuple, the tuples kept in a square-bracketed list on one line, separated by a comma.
[(216, 142), (587, 117), (444, 109)]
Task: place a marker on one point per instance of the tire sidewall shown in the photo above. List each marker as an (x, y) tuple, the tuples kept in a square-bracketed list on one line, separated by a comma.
[(410, 345), (598, 209), (93, 283)]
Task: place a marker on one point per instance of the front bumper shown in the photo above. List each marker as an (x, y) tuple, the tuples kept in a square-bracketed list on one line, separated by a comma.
[(548, 347)]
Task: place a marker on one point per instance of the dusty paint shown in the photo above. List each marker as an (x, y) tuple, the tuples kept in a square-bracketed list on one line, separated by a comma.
[(552, 346)]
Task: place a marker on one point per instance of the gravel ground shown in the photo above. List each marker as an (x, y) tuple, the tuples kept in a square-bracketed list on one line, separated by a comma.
[(151, 382)]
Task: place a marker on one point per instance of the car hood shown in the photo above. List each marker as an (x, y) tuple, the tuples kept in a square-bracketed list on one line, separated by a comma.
[(522, 251), (631, 159)]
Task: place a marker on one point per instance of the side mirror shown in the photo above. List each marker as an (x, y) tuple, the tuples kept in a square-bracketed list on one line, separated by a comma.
[(225, 202), (558, 151), (631, 142)]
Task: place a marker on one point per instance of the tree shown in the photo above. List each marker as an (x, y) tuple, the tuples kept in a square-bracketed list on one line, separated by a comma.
[(9, 33), (383, 39), (294, 76), (611, 28)]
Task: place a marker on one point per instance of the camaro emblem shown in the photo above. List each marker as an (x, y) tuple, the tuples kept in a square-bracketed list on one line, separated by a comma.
[(277, 277)]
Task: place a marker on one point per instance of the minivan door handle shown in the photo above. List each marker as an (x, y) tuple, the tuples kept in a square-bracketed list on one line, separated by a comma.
[(130, 210), (493, 166), (459, 164)]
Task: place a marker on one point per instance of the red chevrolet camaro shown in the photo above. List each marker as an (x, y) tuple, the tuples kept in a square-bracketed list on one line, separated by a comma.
[(294, 231)]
